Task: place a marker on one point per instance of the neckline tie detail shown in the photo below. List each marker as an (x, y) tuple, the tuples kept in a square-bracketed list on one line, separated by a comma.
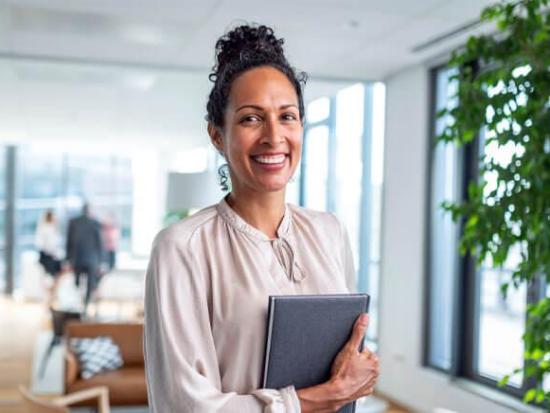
[(286, 257)]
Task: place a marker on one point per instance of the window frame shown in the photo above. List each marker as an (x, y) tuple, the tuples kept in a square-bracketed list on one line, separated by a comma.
[(330, 123), (466, 292)]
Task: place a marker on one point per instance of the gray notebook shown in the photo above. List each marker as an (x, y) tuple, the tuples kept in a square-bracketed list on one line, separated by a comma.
[(304, 335)]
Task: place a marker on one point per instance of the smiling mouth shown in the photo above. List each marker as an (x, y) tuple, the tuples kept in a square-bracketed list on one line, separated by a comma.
[(270, 159)]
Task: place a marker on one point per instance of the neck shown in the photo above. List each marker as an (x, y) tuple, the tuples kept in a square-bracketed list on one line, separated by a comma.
[(264, 211)]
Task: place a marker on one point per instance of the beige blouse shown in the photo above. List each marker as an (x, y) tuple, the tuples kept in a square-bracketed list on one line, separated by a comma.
[(207, 288)]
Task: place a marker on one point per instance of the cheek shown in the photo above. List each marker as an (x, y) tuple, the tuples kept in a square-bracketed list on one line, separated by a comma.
[(297, 141), (237, 149)]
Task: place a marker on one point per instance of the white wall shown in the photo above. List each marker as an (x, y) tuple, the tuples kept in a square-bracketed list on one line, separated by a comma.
[(402, 279)]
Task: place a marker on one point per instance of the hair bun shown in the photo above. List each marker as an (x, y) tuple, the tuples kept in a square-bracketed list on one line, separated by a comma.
[(244, 48), (247, 43)]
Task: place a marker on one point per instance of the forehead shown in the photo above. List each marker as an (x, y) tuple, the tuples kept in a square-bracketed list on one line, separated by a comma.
[(262, 85)]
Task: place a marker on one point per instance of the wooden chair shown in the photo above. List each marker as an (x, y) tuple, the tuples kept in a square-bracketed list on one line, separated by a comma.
[(34, 404)]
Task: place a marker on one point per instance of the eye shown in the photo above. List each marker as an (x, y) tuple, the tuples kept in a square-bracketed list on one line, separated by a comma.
[(289, 116), (251, 118)]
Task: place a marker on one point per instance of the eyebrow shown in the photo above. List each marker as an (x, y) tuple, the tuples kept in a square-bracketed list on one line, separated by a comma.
[(291, 105)]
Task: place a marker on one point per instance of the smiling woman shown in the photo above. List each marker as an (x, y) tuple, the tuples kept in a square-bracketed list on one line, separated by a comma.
[(262, 136), (211, 274)]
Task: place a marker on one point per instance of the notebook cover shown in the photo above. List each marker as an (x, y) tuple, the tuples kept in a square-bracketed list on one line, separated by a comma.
[(304, 335)]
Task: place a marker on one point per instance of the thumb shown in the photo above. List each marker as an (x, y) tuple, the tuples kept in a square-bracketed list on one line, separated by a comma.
[(359, 329)]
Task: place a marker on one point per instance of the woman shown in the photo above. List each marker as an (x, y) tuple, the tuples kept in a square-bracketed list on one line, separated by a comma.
[(48, 243), (111, 236), (210, 275)]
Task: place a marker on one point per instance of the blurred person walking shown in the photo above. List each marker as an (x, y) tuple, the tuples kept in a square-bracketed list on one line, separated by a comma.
[(48, 242), (85, 250), (111, 235)]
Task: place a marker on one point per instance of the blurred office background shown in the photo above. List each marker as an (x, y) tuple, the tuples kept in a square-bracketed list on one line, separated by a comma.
[(104, 102)]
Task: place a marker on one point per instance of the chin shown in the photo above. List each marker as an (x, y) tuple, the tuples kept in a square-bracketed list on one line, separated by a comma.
[(274, 186)]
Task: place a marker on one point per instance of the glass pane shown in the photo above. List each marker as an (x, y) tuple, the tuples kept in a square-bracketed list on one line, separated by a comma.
[(40, 172), (2, 178), (2, 217), (315, 161), (26, 220), (62, 181), (374, 276), (349, 162), (501, 321), (2, 271), (378, 123), (293, 187), (40, 186), (501, 325), (124, 179), (318, 110), (377, 165), (90, 176), (444, 237), (124, 222)]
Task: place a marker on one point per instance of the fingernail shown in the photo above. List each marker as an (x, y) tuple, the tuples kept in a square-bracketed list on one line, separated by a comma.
[(364, 319)]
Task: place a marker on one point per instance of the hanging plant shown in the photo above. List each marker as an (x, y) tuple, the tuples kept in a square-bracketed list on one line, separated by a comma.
[(503, 89)]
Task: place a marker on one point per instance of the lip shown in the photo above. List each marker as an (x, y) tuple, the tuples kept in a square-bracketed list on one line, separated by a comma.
[(270, 154)]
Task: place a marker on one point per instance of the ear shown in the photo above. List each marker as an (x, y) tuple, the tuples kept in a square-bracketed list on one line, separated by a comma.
[(216, 137)]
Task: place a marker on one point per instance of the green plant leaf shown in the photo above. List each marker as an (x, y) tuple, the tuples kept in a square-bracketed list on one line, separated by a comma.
[(530, 395), (504, 381)]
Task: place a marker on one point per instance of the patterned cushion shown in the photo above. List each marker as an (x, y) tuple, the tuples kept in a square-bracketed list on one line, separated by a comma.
[(96, 355)]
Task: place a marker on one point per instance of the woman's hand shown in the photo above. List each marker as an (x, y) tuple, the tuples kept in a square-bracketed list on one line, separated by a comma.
[(353, 375)]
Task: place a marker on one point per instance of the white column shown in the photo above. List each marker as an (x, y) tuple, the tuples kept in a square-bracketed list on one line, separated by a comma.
[(149, 199)]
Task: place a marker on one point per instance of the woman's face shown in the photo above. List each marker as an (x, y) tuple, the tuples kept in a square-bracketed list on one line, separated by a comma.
[(262, 136)]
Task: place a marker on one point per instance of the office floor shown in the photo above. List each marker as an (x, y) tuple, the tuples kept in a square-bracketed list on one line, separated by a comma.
[(20, 324)]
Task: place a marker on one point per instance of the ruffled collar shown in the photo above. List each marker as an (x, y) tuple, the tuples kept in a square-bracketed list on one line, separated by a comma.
[(235, 220), (282, 245)]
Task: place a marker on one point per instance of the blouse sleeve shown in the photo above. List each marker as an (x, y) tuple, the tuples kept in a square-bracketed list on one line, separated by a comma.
[(180, 357)]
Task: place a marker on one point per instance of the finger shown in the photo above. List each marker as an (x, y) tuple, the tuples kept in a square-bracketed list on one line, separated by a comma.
[(367, 353), (371, 382), (359, 329), (373, 360), (367, 392)]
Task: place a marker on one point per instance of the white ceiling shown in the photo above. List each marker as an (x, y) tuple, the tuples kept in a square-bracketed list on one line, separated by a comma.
[(136, 70)]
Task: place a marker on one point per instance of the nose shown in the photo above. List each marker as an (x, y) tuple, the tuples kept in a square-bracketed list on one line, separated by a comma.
[(272, 133)]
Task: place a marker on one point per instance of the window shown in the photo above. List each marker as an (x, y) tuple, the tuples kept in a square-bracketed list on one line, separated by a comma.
[(315, 168), (48, 179), (472, 331), (443, 235), (349, 160), (341, 172), (316, 165), (498, 334), (3, 278)]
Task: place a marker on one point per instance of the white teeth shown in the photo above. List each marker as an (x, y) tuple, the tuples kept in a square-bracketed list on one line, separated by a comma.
[(270, 159)]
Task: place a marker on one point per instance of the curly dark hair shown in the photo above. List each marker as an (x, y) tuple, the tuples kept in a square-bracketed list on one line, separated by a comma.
[(244, 48)]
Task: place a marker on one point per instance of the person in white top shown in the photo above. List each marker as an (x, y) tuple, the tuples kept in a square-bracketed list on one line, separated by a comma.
[(210, 275), (48, 243)]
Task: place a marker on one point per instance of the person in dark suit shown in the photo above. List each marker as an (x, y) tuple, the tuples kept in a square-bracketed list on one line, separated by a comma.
[(85, 249)]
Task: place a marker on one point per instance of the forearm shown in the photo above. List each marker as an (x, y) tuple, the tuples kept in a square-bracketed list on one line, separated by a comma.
[(323, 398)]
